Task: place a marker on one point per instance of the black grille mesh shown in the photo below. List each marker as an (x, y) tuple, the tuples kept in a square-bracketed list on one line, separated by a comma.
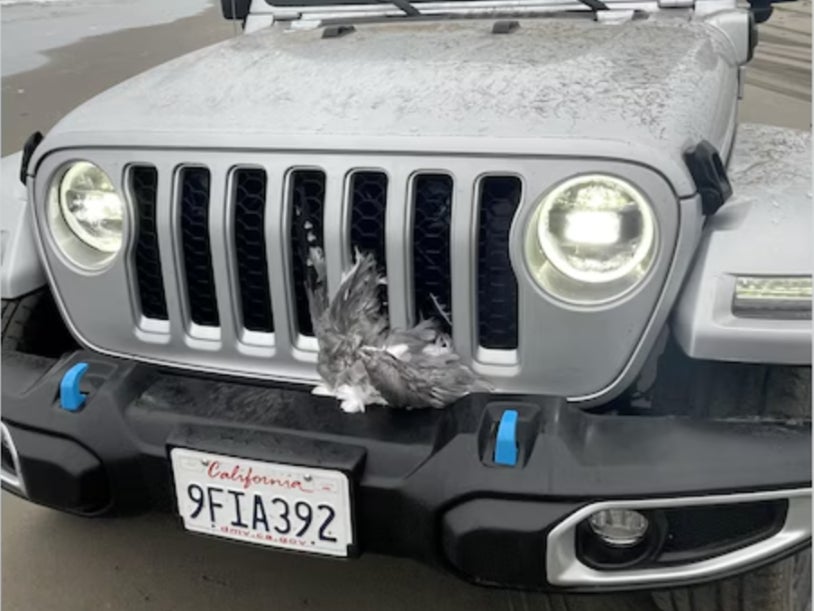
[(250, 247), (143, 185), (432, 282), (307, 202), (203, 304), (368, 192), (497, 285)]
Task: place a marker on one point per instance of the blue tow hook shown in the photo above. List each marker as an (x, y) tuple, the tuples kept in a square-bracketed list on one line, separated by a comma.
[(70, 397), (506, 441)]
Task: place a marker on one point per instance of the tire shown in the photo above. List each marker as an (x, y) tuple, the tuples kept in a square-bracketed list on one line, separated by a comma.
[(782, 586), (235, 9), (33, 324), (708, 389), (634, 601)]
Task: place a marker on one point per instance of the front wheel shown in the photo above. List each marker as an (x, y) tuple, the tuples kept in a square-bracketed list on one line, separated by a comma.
[(634, 601), (782, 586), (32, 324), (716, 390)]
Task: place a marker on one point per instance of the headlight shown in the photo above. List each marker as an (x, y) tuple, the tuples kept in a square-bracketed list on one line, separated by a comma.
[(91, 208), (591, 238)]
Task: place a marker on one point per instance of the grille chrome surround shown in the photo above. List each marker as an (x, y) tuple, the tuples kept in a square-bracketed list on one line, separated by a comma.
[(560, 365)]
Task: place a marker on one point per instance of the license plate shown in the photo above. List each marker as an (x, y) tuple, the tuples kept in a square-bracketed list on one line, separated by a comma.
[(301, 508)]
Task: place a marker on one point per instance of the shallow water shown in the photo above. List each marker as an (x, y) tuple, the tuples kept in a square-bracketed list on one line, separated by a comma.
[(30, 28)]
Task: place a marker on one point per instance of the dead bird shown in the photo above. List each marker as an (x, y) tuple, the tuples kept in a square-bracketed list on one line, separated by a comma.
[(364, 362)]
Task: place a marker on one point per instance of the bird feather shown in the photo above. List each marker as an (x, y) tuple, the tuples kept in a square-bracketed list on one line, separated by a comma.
[(364, 362)]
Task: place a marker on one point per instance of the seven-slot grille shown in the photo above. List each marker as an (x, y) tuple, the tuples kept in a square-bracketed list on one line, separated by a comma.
[(427, 240)]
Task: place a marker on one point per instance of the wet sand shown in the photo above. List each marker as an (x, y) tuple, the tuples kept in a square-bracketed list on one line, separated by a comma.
[(37, 99), (778, 79)]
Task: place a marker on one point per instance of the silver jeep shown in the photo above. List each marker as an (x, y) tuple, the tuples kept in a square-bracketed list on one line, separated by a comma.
[(561, 187)]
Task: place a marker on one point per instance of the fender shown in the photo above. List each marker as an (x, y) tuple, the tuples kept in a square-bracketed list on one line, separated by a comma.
[(763, 230), (20, 269)]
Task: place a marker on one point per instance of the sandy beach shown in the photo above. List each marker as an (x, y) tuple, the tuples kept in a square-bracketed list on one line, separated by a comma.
[(778, 79), (37, 99), (57, 562)]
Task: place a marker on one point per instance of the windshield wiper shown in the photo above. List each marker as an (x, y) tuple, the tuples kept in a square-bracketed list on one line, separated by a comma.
[(411, 11), (595, 5), (408, 8)]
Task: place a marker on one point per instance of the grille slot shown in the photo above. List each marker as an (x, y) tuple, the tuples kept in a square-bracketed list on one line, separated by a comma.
[(432, 282), (143, 187), (250, 248), (243, 290), (307, 208), (368, 202), (497, 285), (200, 282)]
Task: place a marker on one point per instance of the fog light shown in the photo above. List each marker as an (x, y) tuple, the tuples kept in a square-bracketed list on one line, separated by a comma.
[(619, 527), (777, 297)]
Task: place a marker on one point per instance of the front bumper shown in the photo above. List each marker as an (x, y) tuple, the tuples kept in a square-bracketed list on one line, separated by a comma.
[(425, 482)]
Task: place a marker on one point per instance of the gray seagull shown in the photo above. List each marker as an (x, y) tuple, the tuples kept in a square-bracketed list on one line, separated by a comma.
[(362, 361)]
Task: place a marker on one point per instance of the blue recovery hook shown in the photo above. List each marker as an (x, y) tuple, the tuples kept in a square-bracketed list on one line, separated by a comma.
[(70, 397), (506, 441)]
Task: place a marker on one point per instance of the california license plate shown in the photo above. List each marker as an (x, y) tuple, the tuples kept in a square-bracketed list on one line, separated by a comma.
[(301, 508)]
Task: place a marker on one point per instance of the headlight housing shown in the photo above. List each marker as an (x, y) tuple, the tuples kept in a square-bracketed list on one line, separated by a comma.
[(591, 239), (86, 214)]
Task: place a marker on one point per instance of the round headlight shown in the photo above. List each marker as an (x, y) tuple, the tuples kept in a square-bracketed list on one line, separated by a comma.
[(91, 208), (591, 238)]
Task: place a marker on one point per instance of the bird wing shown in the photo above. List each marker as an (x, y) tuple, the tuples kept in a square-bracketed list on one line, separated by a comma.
[(356, 309), (316, 286), (351, 319), (427, 380), (403, 343), (369, 362)]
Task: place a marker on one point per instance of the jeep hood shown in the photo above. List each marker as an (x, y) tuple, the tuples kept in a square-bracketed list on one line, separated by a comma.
[(643, 89)]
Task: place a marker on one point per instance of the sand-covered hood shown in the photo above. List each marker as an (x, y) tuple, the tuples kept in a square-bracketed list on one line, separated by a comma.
[(659, 84)]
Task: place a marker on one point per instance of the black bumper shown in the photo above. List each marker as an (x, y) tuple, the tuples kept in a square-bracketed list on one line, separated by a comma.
[(425, 484)]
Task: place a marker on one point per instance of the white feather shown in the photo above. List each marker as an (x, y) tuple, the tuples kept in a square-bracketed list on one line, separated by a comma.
[(436, 349), (352, 399), (322, 390), (398, 351)]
